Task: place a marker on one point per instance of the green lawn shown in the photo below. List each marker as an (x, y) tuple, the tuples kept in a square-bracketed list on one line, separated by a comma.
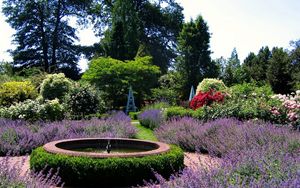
[(143, 132)]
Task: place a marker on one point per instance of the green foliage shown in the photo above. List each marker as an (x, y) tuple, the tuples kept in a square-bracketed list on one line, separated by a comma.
[(55, 86), (178, 111), (134, 115), (6, 68), (233, 72), (84, 100), (13, 92), (169, 89), (121, 40), (114, 78), (96, 171), (194, 62), (295, 59), (152, 25), (255, 66), (250, 90), (210, 83), (43, 36), (279, 71), (34, 110), (246, 101)]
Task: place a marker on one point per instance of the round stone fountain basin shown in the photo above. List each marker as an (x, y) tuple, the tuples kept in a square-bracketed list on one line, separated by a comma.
[(96, 147)]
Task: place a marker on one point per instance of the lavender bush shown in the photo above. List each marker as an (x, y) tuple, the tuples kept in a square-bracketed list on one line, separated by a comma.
[(254, 154), (151, 118), (21, 137), (12, 175), (223, 136), (253, 171)]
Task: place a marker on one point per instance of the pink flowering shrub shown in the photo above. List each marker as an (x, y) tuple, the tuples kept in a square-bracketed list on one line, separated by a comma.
[(289, 109)]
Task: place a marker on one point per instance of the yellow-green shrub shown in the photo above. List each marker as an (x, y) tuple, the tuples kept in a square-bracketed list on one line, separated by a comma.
[(13, 91), (211, 83)]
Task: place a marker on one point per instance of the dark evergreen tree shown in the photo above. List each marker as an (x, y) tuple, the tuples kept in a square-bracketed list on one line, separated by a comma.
[(122, 39), (295, 63), (221, 64), (43, 36), (194, 62), (256, 65), (153, 24), (233, 73), (279, 71)]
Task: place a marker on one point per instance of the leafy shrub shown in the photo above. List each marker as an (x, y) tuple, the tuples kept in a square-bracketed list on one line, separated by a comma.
[(20, 137), (165, 94), (151, 118), (13, 92), (134, 115), (250, 90), (84, 100), (206, 98), (101, 172), (177, 111), (169, 88), (11, 176), (55, 86), (210, 83), (34, 110)]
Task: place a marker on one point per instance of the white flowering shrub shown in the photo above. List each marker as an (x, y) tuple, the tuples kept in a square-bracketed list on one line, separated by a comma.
[(34, 110), (84, 100), (55, 86)]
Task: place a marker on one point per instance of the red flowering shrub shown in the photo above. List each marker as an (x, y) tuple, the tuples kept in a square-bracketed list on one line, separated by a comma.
[(206, 98)]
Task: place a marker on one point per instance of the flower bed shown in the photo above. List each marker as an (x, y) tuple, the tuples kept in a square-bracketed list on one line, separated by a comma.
[(254, 154), (13, 175), (20, 137)]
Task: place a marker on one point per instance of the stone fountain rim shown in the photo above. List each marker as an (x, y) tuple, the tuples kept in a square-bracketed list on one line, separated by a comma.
[(52, 148)]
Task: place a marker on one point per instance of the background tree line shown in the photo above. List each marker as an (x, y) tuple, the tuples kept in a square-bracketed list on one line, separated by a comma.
[(129, 30)]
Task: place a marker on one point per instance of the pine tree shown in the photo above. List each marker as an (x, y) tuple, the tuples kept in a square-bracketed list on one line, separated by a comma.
[(43, 36), (194, 62), (279, 71)]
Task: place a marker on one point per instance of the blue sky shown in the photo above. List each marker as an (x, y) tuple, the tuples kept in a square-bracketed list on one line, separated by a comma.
[(244, 24)]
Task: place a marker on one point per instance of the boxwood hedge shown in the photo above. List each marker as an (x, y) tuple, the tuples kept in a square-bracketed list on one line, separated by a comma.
[(84, 171)]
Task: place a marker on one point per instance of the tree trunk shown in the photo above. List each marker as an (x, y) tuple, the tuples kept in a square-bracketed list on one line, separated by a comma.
[(55, 36), (44, 38)]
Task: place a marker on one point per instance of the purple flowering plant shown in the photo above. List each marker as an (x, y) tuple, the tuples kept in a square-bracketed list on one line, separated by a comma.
[(151, 118), (13, 174), (20, 137), (252, 153)]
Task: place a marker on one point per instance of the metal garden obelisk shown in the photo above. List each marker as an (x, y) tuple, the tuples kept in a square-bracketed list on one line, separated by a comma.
[(130, 107), (192, 93)]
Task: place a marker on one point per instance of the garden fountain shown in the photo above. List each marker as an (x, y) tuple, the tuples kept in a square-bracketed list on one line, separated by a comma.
[(107, 161), (106, 147)]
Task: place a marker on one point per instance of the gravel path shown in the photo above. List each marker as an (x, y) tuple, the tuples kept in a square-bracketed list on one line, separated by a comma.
[(191, 160)]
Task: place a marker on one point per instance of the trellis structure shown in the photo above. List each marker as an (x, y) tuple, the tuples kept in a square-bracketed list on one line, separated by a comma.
[(192, 93), (130, 107)]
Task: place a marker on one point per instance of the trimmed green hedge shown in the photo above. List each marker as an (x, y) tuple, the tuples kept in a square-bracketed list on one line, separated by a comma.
[(86, 171)]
